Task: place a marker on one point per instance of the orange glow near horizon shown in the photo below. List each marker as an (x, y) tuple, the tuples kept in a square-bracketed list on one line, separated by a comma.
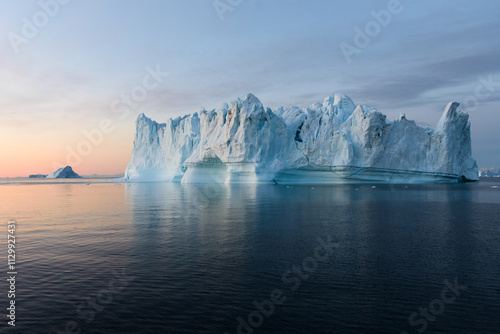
[(23, 155)]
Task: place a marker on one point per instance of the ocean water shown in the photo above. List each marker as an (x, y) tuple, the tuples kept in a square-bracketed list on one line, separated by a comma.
[(174, 258)]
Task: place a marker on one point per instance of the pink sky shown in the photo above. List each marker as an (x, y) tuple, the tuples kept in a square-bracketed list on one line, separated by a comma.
[(28, 151)]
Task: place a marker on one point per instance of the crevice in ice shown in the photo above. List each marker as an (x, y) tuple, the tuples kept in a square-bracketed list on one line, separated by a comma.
[(297, 134)]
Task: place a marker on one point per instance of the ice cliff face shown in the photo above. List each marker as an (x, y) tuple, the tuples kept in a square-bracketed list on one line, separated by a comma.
[(160, 150), (331, 142)]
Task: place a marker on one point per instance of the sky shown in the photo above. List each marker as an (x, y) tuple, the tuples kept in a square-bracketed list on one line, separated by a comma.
[(75, 74)]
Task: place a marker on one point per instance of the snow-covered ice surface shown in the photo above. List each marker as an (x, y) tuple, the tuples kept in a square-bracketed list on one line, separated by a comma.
[(332, 142)]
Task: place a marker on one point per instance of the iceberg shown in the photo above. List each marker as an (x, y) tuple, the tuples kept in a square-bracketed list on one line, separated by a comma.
[(37, 176), (330, 142), (63, 173)]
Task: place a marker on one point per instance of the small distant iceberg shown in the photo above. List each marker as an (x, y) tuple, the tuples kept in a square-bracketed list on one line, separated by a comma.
[(38, 176), (64, 173)]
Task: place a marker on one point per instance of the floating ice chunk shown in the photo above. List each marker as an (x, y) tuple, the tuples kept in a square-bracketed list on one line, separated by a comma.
[(64, 173)]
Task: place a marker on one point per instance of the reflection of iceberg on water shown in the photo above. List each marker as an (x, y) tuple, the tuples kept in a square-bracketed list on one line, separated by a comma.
[(332, 142)]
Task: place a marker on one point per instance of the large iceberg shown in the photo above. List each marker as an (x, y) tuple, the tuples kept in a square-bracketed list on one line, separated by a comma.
[(332, 142)]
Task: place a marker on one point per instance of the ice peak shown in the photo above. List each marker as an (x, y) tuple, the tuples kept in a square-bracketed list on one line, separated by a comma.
[(450, 115), (142, 117), (343, 101), (340, 105), (252, 99), (251, 104)]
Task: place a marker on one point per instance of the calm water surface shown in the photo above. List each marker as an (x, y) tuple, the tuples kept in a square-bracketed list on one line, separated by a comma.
[(172, 258)]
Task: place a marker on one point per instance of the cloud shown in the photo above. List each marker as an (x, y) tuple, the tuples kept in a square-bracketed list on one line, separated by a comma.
[(409, 86)]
